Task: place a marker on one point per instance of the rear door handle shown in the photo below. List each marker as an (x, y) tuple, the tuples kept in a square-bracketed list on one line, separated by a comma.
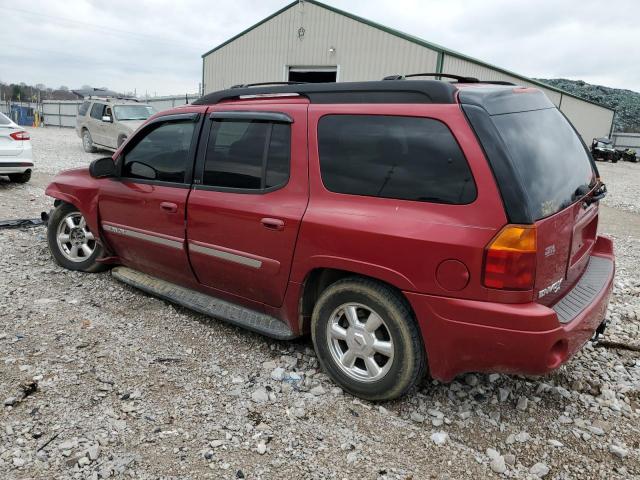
[(273, 223), (169, 207)]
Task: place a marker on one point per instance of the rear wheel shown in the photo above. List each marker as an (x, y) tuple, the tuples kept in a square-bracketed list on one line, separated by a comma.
[(23, 177), (72, 244), (87, 142), (367, 340)]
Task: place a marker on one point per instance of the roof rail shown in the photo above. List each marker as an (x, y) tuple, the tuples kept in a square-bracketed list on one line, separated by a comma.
[(263, 84), (459, 78), (419, 91)]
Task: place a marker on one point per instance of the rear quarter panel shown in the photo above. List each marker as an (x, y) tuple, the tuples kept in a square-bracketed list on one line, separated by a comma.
[(397, 241)]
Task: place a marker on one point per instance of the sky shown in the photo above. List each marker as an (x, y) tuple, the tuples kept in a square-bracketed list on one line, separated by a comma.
[(155, 46)]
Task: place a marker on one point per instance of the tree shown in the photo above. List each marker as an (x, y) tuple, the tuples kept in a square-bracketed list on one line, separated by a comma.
[(64, 88)]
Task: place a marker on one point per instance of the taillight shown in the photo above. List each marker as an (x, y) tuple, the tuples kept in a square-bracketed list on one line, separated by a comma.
[(22, 135), (510, 259)]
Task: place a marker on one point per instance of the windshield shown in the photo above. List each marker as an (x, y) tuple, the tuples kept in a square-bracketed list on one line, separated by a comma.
[(548, 156), (4, 120), (133, 112)]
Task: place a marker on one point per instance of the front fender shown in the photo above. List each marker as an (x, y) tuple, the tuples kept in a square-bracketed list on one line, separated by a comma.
[(79, 189)]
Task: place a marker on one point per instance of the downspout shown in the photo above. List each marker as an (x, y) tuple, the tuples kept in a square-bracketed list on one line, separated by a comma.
[(439, 63)]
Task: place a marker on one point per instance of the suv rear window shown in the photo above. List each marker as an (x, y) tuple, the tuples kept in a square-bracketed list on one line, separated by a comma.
[(406, 158), (550, 160), (82, 110)]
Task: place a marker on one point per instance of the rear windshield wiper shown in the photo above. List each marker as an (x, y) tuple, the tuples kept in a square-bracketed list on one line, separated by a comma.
[(597, 195)]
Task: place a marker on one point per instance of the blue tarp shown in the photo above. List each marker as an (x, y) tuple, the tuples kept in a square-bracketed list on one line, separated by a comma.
[(22, 115)]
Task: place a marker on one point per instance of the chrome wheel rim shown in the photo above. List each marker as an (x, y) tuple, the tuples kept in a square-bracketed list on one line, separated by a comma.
[(75, 240), (87, 140), (360, 342)]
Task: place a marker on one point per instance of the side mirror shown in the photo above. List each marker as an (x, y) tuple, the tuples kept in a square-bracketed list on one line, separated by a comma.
[(107, 119), (102, 168)]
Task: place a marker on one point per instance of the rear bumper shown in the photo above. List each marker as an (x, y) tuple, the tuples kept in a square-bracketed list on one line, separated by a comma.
[(16, 164), (466, 335)]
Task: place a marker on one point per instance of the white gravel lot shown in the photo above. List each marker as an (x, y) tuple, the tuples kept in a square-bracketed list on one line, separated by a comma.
[(129, 386)]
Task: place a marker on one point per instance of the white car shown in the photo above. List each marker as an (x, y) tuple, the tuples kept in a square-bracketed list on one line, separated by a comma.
[(16, 160)]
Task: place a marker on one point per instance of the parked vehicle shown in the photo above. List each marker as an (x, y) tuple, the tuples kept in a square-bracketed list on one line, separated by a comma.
[(106, 123), (602, 149), (629, 155), (16, 160), (406, 225)]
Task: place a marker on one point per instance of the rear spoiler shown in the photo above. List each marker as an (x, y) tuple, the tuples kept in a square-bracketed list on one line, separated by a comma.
[(497, 100)]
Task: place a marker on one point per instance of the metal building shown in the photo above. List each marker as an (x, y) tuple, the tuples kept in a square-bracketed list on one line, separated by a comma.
[(310, 41)]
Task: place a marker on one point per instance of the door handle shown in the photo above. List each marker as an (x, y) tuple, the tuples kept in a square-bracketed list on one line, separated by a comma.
[(273, 223), (168, 207)]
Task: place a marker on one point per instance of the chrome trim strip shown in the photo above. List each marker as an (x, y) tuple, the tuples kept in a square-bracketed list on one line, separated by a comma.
[(125, 232), (232, 257)]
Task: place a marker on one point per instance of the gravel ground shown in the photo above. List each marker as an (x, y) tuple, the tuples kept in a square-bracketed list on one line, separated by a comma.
[(98, 380)]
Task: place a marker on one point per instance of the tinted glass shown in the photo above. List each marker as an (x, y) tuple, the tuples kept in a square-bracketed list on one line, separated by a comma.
[(83, 108), (279, 156), (393, 157), (161, 155), (4, 120), (96, 110), (236, 155), (549, 158)]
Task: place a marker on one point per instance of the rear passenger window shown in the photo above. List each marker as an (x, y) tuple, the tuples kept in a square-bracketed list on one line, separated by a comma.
[(96, 110), (406, 158), (161, 155), (83, 108), (247, 155)]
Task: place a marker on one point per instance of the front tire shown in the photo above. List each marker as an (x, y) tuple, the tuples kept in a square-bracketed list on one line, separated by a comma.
[(87, 142), (23, 177), (367, 340), (72, 245)]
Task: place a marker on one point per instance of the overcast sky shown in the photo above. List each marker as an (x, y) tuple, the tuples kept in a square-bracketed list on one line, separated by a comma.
[(156, 45)]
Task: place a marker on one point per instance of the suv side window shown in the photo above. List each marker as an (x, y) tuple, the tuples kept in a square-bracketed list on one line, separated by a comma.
[(96, 110), (161, 154), (247, 155), (82, 110), (407, 158)]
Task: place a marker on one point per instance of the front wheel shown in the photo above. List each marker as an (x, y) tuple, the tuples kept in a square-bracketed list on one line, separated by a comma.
[(72, 244), (367, 340), (87, 142)]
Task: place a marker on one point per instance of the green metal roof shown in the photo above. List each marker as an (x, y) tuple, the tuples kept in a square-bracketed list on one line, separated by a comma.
[(432, 46)]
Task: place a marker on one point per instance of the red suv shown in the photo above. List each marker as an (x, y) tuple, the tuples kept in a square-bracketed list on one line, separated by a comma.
[(405, 224)]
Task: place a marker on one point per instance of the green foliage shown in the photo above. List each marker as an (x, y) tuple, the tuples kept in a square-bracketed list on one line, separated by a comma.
[(625, 102)]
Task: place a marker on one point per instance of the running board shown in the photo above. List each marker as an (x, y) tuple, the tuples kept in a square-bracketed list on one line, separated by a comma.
[(206, 304)]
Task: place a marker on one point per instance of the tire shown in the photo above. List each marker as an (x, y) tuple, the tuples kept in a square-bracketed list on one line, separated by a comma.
[(23, 177), (87, 142), (403, 362), (84, 260)]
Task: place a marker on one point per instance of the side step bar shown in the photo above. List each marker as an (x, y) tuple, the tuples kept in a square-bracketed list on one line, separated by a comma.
[(206, 304)]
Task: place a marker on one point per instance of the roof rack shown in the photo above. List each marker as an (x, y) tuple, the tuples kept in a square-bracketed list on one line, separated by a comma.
[(459, 78), (263, 84), (388, 91), (102, 94)]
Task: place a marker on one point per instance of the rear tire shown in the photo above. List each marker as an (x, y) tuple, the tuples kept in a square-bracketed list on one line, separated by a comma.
[(23, 177), (367, 340), (87, 142), (72, 245)]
